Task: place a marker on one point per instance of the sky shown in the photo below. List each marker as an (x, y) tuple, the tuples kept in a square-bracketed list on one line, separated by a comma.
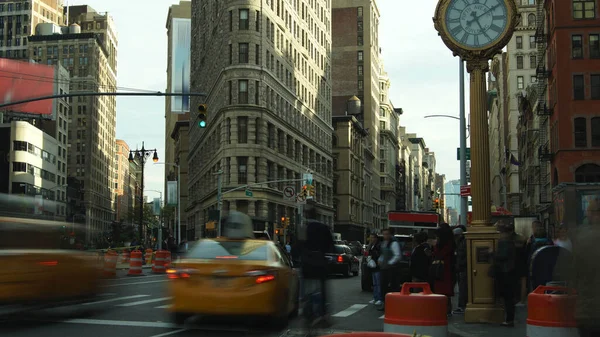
[(424, 76)]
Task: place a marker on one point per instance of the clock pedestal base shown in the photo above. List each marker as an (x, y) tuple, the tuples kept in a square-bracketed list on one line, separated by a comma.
[(480, 313)]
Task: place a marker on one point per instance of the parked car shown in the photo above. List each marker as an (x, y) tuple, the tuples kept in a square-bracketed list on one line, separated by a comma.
[(406, 246), (343, 261)]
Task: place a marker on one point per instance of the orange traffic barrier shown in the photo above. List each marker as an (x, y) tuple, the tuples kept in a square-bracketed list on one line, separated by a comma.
[(159, 266), (369, 334), (551, 312), (124, 258), (422, 313), (110, 263), (135, 264), (148, 256), (168, 260)]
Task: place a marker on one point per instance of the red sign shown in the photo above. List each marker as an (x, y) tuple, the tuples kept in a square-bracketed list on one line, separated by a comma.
[(23, 80), (465, 190)]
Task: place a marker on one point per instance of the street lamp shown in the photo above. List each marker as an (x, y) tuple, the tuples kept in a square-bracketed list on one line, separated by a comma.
[(178, 197), (142, 155)]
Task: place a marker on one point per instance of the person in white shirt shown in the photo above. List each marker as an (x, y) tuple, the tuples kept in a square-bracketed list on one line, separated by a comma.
[(388, 263), (562, 238)]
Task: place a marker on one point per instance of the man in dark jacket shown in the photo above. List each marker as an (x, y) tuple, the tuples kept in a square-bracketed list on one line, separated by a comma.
[(461, 269), (317, 241)]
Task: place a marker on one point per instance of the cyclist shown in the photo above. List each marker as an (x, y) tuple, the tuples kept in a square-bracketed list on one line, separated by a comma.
[(316, 241)]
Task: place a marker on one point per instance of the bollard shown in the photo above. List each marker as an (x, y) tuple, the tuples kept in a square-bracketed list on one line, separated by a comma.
[(551, 314), (135, 264), (110, 263), (416, 313)]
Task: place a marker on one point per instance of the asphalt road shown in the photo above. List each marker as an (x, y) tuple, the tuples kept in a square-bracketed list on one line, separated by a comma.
[(135, 307)]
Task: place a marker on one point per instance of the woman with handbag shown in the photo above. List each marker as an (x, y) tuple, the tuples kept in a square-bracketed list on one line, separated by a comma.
[(442, 267), (374, 251)]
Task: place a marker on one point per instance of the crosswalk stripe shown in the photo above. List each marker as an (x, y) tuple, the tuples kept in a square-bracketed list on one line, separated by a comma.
[(144, 302), (350, 311), (163, 307), (116, 299)]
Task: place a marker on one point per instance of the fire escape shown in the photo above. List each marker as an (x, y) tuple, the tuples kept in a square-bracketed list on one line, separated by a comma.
[(544, 109)]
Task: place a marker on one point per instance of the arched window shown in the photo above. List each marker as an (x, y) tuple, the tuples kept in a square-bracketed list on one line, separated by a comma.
[(531, 20), (587, 173)]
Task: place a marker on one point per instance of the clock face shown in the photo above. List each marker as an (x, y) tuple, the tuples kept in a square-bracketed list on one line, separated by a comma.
[(476, 23)]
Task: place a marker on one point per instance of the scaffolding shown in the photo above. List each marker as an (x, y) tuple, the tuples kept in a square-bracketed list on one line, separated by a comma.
[(544, 106)]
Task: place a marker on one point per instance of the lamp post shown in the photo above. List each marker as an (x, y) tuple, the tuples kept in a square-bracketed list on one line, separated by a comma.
[(159, 236), (178, 197), (142, 155)]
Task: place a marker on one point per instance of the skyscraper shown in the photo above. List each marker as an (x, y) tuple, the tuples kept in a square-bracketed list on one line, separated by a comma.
[(266, 69), (87, 49)]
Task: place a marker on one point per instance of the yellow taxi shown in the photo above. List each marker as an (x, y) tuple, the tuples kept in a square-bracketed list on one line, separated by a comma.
[(36, 272), (234, 275)]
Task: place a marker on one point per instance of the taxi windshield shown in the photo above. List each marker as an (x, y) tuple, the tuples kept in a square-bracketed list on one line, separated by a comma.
[(238, 250)]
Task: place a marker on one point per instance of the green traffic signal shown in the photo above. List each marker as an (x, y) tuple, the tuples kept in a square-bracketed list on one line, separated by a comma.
[(202, 115)]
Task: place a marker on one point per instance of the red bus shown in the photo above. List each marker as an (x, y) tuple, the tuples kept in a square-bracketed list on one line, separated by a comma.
[(410, 222)]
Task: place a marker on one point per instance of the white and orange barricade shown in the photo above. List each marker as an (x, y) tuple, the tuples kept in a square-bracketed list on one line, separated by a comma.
[(135, 264), (421, 313), (148, 256), (168, 260), (551, 312), (110, 263), (124, 257), (159, 266)]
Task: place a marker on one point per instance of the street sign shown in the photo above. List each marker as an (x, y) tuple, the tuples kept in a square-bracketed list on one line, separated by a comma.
[(248, 193), (465, 190), (301, 199), (289, 193), (467, 154)]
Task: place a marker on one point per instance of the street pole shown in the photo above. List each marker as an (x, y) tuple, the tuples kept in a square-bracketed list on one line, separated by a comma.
[(463, 144), (219, 197), (179, 201), (141, 210)]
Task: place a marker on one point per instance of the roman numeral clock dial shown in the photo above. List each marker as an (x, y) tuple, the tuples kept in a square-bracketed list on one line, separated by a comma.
[(476, 24)]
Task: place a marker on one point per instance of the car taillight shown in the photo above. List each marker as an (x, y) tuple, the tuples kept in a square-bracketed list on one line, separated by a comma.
[(179, 273), (407, 254), (340, 259), (262, 276)]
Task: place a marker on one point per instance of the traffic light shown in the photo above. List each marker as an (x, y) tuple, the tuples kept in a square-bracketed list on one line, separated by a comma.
[(442, 203), (276, 231), (436, 203), (202, 110)]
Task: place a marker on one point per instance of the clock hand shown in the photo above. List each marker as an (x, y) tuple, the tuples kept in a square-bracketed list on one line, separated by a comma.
[(476, 18)]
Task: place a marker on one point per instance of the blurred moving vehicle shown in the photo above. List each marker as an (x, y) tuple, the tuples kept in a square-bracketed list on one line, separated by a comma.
[(343, 261), (406, 247), (260, 235), (37, 273), (234, 275)]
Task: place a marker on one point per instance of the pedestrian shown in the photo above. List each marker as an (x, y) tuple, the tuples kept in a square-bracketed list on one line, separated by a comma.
[(389, 265), (373, 254), (562, 238), (443, 254), (461, 269), (505, 272), (420, 259)]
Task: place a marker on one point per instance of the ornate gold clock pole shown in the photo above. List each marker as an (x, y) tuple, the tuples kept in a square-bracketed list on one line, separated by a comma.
[(476, 30)]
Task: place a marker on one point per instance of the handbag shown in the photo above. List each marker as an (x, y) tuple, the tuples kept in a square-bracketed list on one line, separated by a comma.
[(436, 270), (371, 263)]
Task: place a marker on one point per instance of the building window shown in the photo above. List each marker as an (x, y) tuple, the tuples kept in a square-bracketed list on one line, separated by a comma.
[(520, 82), (244, 23), (361, 70), (519, 42), (230, 92), (242, 130), (578, 87), (243, 51), (230, 21), (382, 125), (257, 54), (359, 56), (257, 21), (360, 40), (242, 170), (257, 92), (580, 131), (382, 167), (532, 61), (584, 9), (533, 79), (594, 46), (576, 47), (230, 54), (531, 20), (595, 86), (519, 62), (532, 42), (242, 92), (361, 85), (359, 12), (587, 173), (595, 131), (359, 26)]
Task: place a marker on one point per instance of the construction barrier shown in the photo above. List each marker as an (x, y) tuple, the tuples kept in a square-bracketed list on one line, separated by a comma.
[(421, 313), (159, 266), (110, 263), (124, 257), (148, 256), (168, 260), (551, 312), (135, 264)]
